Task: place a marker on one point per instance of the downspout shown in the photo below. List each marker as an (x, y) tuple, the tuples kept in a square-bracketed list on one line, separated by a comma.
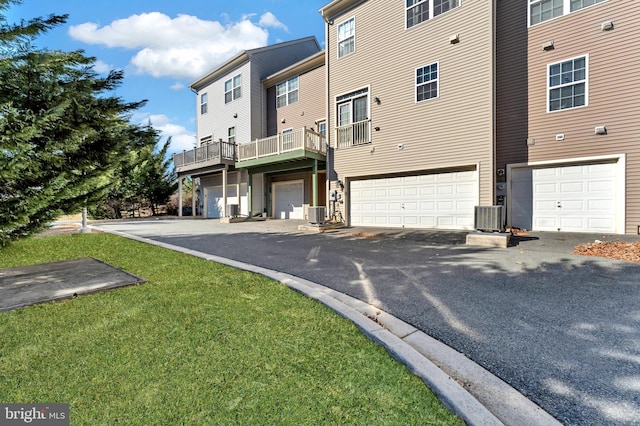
[(328, 116)]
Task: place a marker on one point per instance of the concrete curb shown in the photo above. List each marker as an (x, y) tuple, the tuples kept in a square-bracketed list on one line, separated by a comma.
[(467, 389)]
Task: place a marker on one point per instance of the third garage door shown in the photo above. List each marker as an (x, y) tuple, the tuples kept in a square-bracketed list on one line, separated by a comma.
[(439, 200), (576, 198)]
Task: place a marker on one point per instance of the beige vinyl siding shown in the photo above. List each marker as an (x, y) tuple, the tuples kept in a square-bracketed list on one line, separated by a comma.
[(511, 83), (266, 63), (455, 130), (310, 106), (613, 87)]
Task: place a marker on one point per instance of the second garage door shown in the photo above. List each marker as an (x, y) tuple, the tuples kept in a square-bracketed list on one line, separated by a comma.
[(576, 198), (439, 200), (288, 199)]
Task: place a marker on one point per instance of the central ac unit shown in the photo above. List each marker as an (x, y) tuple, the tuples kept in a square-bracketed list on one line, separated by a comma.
[(232, 210), (317, 214), (489, 218)]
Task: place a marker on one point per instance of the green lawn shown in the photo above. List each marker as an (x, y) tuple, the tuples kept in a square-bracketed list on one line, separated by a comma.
[(199, 343)]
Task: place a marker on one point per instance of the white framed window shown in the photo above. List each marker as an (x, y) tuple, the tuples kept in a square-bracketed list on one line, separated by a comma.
[(418, 11), (322, 127), (352, 112), (567, 84), (427, 82), (233, 89), (231, 135), (203, 103), (544, 10), (287, 92), (347, 37)]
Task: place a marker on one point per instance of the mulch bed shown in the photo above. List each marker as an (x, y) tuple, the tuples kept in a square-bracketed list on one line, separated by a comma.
[(618, 250)]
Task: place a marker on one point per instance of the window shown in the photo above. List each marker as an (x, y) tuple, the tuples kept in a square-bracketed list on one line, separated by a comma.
[(352, 111), (231, 135), (233, 89), (543, 10), (346, 37), (287, 92), (422, 10), (203, 103), (322, 127), (567, 84), (427, 82)]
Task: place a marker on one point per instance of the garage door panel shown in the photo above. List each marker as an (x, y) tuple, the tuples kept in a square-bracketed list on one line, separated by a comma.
[(416, 201), (575, 187), (600, 224), (600, 186)]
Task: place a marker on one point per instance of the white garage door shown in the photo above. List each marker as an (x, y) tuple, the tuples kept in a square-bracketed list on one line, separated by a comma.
[(579, 198), (287, 200), (440, 200), (215, 207), (215, 203)]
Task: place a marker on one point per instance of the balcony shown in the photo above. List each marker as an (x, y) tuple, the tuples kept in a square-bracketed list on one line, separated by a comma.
[(299, 144), (206, 155), (354, 134)]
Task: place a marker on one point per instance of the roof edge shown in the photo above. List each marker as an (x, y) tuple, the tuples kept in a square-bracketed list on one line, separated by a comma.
[(307, 64), (241, 58)]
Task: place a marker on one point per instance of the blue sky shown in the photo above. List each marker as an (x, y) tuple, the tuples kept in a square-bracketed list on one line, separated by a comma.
[(164, 45)]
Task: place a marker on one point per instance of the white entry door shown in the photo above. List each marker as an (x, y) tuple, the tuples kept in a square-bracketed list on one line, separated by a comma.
[(576, 198), (438, 200), (288, 198)]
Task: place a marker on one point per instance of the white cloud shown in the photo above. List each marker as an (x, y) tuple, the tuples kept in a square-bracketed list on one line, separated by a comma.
[(102, 67), (268, 19), (181, 138), (177, 86), (184, 46)]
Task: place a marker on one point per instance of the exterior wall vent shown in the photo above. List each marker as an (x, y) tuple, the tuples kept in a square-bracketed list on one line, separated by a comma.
[(606, 26), (489, 218), (317, 214), (232, 210)]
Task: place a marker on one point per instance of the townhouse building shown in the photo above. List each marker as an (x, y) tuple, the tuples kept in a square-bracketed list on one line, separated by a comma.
[(580, 170), (288, 166), (411, 110), (231, 110)]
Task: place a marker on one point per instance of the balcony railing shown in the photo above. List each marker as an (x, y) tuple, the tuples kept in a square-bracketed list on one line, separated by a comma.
[(354, 134), (210, 153), (302, 139)]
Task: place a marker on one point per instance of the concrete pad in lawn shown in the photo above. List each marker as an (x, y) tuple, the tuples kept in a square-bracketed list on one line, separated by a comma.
[(29, 285)]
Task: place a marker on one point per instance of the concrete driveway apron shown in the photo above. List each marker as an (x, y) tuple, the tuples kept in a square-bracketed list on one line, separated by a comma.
[(564, 330)]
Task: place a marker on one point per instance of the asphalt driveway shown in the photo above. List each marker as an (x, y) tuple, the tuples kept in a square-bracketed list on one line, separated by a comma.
[(562, 329)]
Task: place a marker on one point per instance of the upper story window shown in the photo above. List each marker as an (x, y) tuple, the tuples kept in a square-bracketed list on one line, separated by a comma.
[(543, 10), (422, 10), (287, 92), (322, 127), (347, 37), (203, 103), (354, 126), (231, 135), (567, 84), (233, 89), (427, 82)]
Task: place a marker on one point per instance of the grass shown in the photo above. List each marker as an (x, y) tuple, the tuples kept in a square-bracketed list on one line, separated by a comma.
[(199, 343)]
